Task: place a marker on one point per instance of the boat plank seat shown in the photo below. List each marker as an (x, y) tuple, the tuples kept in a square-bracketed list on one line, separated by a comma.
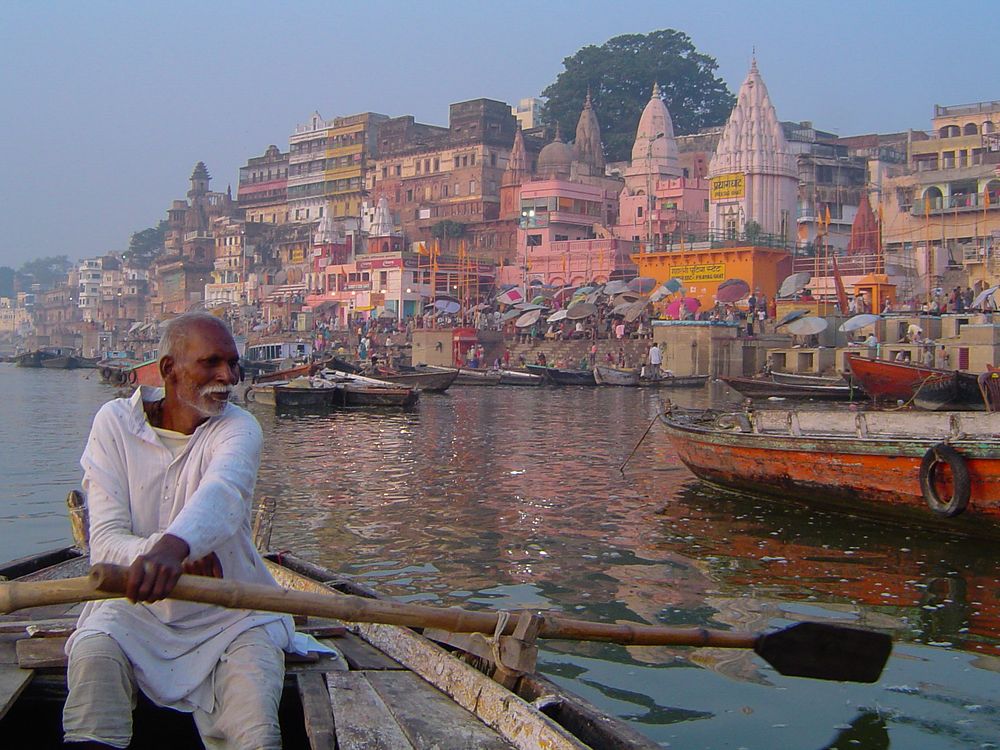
[(397, 709), (13, 680), (362, 656)]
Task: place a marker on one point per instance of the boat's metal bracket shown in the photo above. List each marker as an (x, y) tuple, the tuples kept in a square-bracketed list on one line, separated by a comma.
[(861, 425), (794, 428)]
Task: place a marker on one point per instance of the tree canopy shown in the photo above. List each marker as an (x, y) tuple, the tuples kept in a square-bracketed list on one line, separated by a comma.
[(145, 245), (620, 75), (46, 271)]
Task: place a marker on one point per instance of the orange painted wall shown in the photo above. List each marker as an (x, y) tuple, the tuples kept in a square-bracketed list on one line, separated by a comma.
[(758, 266)]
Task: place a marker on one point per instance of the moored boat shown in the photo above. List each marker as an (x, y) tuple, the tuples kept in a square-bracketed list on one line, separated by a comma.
[(675, 381), (303, 370), (562, 375), (767, 387), (300, 393), (146, 373), (941, 468), (803, 379), (478, 376), (605, 375), (385, 682), (424, 377), (519, 377), (360, 390), (928, 387), (61, 362)]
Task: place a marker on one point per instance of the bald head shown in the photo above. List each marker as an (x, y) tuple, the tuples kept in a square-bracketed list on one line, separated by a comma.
[(177, 331)]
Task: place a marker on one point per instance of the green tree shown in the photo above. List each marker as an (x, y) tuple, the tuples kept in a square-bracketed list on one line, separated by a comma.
[(145, 245), (45, 271), (447, 230), (6, 281), (620, 75)]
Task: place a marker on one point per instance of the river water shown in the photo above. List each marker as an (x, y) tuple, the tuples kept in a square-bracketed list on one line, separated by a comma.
[(512, 498)]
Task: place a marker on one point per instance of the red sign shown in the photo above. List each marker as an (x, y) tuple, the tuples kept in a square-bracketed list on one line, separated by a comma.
[(364, 265)]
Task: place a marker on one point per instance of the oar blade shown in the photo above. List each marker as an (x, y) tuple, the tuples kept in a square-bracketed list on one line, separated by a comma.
[(826, 652)]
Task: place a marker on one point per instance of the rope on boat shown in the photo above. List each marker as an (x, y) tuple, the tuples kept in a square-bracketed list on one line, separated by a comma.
[(651, 423), (503, 617), (920, 387)]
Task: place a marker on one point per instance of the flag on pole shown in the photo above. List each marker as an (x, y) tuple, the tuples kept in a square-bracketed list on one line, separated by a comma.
[(826, 221)]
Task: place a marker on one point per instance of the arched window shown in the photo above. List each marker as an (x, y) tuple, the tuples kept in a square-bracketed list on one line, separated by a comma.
[(932, 199), (970, 129), (988, 127)]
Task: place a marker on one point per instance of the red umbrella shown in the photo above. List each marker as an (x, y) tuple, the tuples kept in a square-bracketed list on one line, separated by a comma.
[(691, 304), (732, 290)]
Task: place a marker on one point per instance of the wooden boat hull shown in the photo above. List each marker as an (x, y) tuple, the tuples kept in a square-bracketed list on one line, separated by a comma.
[(560, 376), (31, 359), (389, 685), (293, 372), (767, 388), (469, 376), (288, 397), (434, 381), (61, 362), (363, 395), (868, 462), (800, 379), (148, 373), (899, 381), (519, 377), (675, 381), (614, 376)]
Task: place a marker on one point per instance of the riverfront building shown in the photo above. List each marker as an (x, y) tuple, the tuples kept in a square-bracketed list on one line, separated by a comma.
[(263, 187)]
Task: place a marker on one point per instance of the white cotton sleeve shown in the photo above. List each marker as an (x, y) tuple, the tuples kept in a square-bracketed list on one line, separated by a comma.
[(221, 504), (105, 485)]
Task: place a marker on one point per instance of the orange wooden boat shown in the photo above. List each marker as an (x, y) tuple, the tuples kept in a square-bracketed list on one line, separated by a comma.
[(930, 387), (941, 468), (148, 373), (299, 371)]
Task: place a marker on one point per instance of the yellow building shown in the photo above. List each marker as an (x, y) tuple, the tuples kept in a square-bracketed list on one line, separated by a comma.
[(945, 211), (326, 165), (703, 267)]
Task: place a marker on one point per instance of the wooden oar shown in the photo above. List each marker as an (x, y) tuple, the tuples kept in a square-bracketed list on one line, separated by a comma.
[(808, 649)]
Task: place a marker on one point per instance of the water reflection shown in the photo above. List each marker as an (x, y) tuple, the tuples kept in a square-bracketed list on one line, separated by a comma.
[(510, 498)]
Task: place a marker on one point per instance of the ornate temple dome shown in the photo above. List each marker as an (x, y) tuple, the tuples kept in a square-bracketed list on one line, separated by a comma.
[(556, 159), (655, 149)]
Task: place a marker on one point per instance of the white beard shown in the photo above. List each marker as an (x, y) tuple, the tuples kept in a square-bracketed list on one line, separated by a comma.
[(205, 406)]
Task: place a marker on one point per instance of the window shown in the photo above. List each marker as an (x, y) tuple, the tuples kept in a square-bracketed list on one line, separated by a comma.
[(399, 170), (472, 187), (385, 172), (437, 165), (465, 161), (457, 191), (561, 237), (638, 212), (409, 196), (416, 167), (534, 240), (444, 190), (493, 159), (472, 159), (321, 212), (456, 162)]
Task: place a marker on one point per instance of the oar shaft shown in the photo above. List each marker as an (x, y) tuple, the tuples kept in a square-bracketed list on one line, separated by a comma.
[(108, 581)]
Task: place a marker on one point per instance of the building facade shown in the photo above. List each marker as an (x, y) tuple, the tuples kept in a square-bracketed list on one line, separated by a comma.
[(263, 187)]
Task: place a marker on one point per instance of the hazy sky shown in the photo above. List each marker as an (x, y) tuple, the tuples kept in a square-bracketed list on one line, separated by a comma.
[(107, 106)]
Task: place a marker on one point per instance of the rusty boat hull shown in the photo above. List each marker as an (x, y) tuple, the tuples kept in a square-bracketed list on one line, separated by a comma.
[(868, 463)]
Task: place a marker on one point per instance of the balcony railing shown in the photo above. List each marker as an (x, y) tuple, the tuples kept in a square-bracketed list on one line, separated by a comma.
[(963, 202)]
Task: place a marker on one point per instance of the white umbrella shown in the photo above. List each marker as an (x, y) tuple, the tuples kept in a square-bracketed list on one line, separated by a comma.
[(859, 321), (581, 310), (635, 310), (983, 296), (557, 316), (794, 283), (528, 319), (614, 287), (528, 307), (807, 326)]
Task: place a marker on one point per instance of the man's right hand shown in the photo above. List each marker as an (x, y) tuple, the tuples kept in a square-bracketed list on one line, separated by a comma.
[(152, 576)]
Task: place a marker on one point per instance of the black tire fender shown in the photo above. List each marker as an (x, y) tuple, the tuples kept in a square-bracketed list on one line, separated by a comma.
[(961, 484)]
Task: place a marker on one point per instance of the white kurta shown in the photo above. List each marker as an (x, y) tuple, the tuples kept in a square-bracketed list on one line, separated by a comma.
[(136, 491)]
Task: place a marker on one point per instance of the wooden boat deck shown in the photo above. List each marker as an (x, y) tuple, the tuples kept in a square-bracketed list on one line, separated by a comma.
[(389, 687)]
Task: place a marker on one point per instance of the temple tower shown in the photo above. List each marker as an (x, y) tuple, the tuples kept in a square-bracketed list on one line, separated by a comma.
[(753, 173), (513, 177), (654, 153), (588, 146)]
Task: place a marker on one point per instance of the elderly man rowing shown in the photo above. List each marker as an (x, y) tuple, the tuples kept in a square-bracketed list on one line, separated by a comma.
[(169, 477)]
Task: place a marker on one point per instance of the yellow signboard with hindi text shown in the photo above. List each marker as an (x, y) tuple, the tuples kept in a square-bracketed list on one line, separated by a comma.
[(699, 272), (726, 187)]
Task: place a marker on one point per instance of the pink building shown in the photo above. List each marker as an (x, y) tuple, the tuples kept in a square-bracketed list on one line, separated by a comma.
[(657, 206), (558, 241)]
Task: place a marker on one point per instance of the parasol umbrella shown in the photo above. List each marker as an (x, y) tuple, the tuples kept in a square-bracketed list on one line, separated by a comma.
[(635, 310), (660, 293), (790, 316), (561, 293), (528, 319), (674, 285), (557, 316), (614, 287), (642, 284), (858, 322), (592, 298), (387, 315), (621, 308), (690, 303), (807, 326), (627, 297), (731, 290), (511, 297), (447, 306), (510, 315), (585, 289), (527, 306), (540, 299), (794, 283), (581, 310), (481, 306), (983, 296)]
